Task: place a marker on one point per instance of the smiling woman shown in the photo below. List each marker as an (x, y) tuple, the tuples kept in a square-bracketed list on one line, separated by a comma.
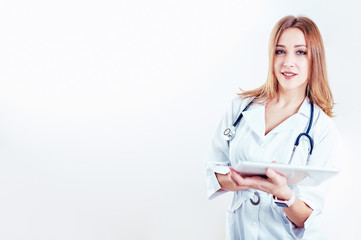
[(295, 97), (309, 40), (291, 61)]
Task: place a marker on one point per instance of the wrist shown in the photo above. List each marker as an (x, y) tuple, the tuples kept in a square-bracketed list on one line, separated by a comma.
[(284, 194), (285, 202)]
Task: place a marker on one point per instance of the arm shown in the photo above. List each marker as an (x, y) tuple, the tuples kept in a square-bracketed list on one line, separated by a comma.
[(275, 184), (218, 160), (298, 212)]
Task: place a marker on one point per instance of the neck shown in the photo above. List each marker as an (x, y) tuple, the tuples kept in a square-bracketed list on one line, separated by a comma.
[(289, 98)]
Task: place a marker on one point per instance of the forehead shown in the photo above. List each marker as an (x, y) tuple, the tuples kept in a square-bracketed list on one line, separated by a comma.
[(292, 36)]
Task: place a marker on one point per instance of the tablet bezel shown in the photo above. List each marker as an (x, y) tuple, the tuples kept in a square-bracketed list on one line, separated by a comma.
[(302, 175)]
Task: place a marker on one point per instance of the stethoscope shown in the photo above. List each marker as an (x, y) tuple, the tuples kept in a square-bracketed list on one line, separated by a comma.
[(229, 134)]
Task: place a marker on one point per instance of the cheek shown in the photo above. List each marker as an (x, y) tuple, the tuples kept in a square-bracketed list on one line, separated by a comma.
[(304, 65), (277, 65)]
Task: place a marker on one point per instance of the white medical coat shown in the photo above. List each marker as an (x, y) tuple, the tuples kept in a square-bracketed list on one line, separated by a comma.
[(267, 220)]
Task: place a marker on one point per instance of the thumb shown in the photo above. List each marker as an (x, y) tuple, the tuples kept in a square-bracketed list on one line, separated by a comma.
[(273, 175)]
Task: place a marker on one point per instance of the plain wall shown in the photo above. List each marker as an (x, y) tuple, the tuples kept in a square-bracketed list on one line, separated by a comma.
[(107, 109)]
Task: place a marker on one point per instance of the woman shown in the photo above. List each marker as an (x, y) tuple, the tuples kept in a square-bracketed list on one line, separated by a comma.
[(278, 112)]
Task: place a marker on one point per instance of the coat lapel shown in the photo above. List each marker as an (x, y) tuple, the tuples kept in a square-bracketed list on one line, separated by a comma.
[(255, 119)]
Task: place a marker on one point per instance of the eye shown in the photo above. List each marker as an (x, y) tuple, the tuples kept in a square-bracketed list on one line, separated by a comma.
[(301, 53), (280, 52)]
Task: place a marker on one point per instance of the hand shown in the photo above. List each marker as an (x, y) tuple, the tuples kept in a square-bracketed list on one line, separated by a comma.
[(275, 183)]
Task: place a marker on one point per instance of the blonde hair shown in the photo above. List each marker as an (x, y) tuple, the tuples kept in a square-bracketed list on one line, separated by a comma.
[(318, 89)]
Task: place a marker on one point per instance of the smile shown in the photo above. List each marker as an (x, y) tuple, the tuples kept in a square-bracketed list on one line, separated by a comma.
[(289, 74)]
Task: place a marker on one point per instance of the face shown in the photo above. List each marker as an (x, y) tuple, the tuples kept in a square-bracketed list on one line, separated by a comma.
[(291, 62)]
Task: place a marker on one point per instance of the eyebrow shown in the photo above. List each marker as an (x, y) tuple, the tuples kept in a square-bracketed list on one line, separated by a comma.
[(300, 45)]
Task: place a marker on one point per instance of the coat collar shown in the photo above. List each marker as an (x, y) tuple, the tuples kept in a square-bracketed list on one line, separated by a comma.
[(255, 119), (305, 108)]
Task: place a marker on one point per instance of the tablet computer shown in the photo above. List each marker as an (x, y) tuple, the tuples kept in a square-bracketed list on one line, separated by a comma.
[(302, 175)]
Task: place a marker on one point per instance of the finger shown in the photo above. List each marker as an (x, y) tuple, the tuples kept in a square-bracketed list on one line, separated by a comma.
[(255, 182), (237, 178), (271, 174), (231, 179), (274, 176), (260, 183), (234, 177), (232, 169)]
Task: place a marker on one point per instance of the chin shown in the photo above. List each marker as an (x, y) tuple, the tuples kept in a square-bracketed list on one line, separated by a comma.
[(291, 85), (294, 88)]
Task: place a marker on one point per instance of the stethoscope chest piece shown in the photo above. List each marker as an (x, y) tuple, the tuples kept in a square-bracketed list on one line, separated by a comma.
[(256, 194), (229, 133)]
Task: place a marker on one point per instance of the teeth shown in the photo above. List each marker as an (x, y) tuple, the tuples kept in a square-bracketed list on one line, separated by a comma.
[(288, 74)]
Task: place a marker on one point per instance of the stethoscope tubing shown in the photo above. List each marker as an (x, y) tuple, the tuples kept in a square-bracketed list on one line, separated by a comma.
[(229, 133)]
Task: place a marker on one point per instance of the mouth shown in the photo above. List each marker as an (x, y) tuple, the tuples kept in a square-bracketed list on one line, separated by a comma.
[(289, 74)]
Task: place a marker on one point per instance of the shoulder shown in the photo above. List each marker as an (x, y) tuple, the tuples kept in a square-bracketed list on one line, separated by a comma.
[(235, 108), (324, 126), (239, 103)]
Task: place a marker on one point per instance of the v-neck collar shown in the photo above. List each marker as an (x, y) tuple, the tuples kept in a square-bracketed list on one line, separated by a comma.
[(255, 118)]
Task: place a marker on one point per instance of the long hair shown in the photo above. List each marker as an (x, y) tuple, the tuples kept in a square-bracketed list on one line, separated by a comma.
[(318, 89)]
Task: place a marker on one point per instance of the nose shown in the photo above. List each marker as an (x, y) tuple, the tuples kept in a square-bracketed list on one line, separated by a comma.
[(288, 64), (289, 61)]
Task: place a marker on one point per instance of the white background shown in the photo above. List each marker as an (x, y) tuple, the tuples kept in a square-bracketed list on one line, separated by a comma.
[(107, 109)]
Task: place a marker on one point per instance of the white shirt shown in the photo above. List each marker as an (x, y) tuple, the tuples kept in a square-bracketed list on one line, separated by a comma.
[(267, 220)]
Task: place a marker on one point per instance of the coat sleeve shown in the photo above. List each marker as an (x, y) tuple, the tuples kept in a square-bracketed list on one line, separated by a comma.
[(322, 156), (218, 156)]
